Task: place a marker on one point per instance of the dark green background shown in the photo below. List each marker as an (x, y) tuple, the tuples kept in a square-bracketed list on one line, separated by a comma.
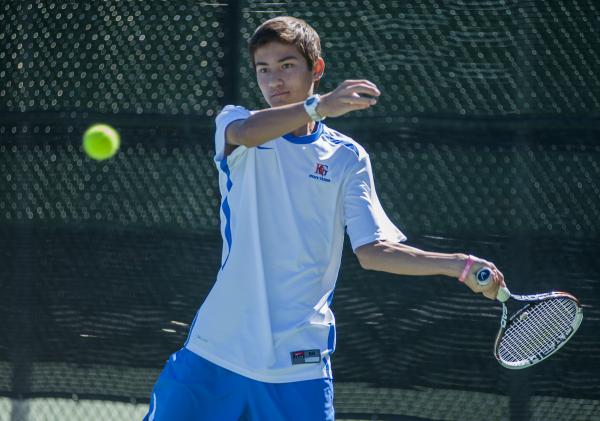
[(485, 141)]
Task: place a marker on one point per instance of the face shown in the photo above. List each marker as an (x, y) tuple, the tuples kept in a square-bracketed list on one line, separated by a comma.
[(283, 75)]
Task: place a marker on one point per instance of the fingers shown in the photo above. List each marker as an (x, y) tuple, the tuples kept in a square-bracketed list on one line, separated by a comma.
[(501, 278), (360, 96), (362, 87), (359, 100), (350, 82), (492, 291), (497, 281), (489, 290), (350, 95)]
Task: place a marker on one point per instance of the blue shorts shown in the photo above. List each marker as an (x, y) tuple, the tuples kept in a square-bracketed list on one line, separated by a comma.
[(192, 388)]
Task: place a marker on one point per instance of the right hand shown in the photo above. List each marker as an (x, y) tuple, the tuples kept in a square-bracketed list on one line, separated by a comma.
[(490, 290), (347, 97)]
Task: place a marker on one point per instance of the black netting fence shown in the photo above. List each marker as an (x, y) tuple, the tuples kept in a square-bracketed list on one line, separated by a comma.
[(486, 141)]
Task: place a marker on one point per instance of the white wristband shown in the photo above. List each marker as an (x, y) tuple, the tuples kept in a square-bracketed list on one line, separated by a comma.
[(310, 105)]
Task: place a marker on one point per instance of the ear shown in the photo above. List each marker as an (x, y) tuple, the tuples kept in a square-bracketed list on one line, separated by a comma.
[(318, 69)]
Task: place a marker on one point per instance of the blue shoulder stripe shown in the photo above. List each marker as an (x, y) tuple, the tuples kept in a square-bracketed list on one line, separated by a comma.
[(227, 210), (344, 143)]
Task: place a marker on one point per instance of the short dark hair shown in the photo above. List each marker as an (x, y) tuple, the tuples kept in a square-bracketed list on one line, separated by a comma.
[(287, 30)]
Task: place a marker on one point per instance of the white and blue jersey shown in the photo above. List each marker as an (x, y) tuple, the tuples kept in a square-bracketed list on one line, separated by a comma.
[(284, 208)]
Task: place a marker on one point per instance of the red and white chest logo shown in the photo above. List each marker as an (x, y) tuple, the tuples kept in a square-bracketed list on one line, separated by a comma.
[(321, 171)]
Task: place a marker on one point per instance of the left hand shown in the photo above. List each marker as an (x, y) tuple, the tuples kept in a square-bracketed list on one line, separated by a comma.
[(491, 289)]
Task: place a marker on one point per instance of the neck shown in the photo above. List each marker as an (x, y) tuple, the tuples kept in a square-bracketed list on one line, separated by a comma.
[(304, 130)]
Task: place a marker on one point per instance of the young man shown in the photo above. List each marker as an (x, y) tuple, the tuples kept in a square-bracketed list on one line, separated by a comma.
[(260, 345)]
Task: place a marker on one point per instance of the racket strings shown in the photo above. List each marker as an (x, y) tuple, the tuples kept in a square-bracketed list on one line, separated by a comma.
[(519, 342), (534, 329), (540, 327), (545, 327)]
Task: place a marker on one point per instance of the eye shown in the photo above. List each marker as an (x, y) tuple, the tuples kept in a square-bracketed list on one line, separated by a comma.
[(262, 70), (287, 65)]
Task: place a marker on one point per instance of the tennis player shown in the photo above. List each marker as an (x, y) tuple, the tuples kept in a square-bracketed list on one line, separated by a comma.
[(260, 345)]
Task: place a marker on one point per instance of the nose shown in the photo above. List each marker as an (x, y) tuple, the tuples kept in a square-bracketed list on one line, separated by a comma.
[(275, 81)]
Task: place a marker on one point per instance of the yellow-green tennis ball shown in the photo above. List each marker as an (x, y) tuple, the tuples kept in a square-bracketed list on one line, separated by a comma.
[(101, 142)]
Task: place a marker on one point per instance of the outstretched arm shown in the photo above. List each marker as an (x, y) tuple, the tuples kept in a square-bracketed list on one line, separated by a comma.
[(270, 123), (401, 259)]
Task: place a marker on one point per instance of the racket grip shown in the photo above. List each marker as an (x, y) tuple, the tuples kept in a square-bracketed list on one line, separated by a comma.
[(503, 294), (483, 278)]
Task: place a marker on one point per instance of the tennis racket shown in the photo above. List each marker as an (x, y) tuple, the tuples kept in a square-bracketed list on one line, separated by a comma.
[(537, 329)]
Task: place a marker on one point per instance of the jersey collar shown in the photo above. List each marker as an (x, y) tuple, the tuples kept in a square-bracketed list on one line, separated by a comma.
[(318, 130)]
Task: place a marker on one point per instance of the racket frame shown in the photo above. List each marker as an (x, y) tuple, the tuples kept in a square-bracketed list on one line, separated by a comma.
[(483, 277), (532, 300)]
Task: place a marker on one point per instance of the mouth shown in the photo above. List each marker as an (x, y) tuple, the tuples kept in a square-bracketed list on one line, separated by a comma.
[(278, 94)]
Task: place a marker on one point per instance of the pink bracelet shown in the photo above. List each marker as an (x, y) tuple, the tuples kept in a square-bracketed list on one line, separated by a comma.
[(467, 268)]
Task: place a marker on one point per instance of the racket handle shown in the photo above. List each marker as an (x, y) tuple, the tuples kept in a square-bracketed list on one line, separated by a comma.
[(483, 278), (503, 294)]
